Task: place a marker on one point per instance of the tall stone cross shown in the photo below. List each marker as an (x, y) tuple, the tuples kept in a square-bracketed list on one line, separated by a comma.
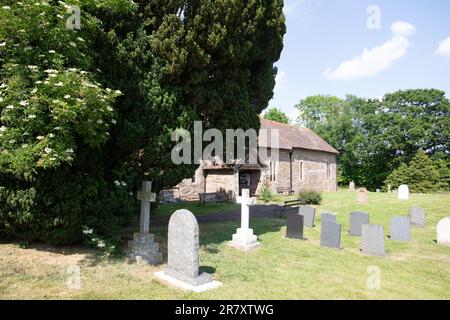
[(245, 201), (147, 197), (244, 239)]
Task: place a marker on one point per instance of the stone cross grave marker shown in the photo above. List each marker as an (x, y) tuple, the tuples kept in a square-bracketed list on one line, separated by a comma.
[(358, 219), (328, 217), (294, 225), (403, 192), (244, 239), (417, 217), (183, 255), (308, 214), (330, 235), (443, 232), (400, 229), (373, 239), (143, 249)]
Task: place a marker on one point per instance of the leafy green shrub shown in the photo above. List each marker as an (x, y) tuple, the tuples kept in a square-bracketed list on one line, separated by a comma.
[(310, 197), (265, 194), (421, 175)]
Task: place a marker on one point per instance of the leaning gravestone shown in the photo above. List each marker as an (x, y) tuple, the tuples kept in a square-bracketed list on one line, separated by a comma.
[(362, 196), (143, 249), (417, 217), (328, 217), (400, 229), (373, 239), (403, 192), (443, 232), (294, 226), (244, 239), (357, 220), (330, 235), (308, 214), (351, 187), (183, 255)]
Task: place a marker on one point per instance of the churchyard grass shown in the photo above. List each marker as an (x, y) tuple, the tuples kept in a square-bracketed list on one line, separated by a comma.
[(280, 269)]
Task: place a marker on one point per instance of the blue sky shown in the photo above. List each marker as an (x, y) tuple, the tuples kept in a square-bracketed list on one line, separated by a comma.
[(329, 48)]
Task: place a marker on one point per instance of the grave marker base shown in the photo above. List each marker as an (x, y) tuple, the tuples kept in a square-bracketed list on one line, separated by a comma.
[(244, 240), (180, 284), (144, 250)]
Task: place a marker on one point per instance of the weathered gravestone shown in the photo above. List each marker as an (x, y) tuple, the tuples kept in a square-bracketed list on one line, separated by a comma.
[(373, 239), (389, 188), (400, 229), (330, 235), (443, 232), (183, 255), (244, 239), (362, 196), (403, 192), (417, 217), (143, 249), (378, 190), (328, 217), (294, 226), (357, 220), (351, 187), (308, 214)]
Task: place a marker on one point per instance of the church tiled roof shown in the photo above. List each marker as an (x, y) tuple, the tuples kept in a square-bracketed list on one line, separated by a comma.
[(292, 136)]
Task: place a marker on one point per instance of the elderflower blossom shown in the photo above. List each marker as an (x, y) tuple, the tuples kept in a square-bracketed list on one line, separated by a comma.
[(48, 150), (23, 103), (88, 231)]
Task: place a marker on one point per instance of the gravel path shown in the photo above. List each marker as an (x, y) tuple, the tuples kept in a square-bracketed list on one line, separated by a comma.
[(257, 211)]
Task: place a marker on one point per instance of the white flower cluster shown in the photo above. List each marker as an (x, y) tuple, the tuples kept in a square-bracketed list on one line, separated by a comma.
[(119, 183)]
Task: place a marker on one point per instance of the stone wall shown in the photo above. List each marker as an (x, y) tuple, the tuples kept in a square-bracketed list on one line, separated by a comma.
[(222, 181), (313, 165)]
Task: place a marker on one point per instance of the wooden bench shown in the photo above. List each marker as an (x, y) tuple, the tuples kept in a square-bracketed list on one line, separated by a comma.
[(291, 204), (284, 190), (212, 197)]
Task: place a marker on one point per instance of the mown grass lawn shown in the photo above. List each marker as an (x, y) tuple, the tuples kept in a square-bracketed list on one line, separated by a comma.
[(280, 269)]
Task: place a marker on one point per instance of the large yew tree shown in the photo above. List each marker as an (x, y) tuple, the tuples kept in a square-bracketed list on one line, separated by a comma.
[(87, 114)]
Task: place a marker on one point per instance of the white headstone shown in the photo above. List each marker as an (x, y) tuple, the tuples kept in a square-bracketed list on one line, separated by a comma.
[(403, 192), (351, 186), (443, 232), (244, 239)]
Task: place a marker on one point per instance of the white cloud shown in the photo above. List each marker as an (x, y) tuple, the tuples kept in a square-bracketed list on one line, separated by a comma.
[(372, 62), (444, 48)]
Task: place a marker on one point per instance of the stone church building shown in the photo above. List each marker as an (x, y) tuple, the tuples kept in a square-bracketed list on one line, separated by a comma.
[(305, 162)]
